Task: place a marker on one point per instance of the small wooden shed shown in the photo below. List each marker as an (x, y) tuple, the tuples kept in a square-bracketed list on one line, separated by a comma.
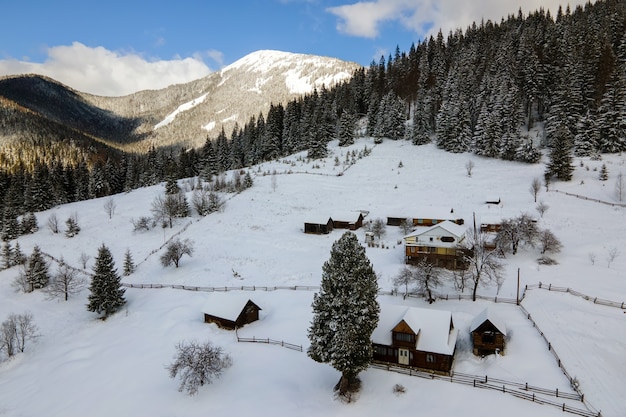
[(352, 220), (230, 310), (319, 228), (488, 334)]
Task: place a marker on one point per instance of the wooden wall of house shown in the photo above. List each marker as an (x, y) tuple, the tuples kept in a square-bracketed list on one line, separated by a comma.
[(317, 228), (221, 322), (435, 362), (482, 347), (449, 259)]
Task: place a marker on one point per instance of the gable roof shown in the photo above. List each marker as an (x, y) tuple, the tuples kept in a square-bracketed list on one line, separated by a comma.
[(320, 220), (226, 305), (433, 327), (450, 227), (487, 315)]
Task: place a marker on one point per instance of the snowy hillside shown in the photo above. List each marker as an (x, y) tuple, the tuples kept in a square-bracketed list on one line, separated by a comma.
[(83, 366)]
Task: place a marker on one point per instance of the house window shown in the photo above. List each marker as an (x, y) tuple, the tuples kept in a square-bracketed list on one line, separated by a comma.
[(448, 239), (431, 239), (404, 337), (420, 221), (430, 358), (489, 337)]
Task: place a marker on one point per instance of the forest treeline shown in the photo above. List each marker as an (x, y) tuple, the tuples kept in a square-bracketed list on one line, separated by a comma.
[(502, 90)]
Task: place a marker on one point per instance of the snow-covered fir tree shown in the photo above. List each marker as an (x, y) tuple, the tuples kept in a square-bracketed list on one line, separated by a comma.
[(345, 312), (7, 255), (345, 130), (560, 163), (129, 264), (36, 270), (106, 293)]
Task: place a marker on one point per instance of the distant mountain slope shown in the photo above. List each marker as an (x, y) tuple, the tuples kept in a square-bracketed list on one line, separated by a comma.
[(188, 113), (59, 104), (37, 107)]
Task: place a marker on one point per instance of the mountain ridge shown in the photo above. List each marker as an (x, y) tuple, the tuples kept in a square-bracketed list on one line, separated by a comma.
[(137, 122)]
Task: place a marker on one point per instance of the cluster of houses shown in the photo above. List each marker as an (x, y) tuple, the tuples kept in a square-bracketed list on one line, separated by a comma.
[(437, 237), (407, 336)]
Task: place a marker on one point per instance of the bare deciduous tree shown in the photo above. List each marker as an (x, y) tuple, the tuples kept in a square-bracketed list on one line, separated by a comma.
[(405, 278), (67, 281), (549, 242), (378, 228), (515, 231), (542, 208), (175, 251), (83, 259), (406, 225), (427, 277), (53, 223), (197, 365), (484, 267), (535, 187), (165, 209), (592, 258), (469, 167), (15, 331), (109, 207), (611, 254)]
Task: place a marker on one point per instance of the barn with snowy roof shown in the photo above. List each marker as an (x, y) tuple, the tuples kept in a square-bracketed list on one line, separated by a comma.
[(415, 337), (230, 310), (488, 333)]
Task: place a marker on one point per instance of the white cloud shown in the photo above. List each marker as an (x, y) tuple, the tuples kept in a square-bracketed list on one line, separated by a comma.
[(364, 18), (103, 72)]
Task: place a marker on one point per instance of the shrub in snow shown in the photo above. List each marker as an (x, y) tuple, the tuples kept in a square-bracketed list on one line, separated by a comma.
[(197, 364)]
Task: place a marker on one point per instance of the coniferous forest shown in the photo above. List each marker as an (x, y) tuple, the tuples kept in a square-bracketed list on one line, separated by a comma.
[(507, 89)]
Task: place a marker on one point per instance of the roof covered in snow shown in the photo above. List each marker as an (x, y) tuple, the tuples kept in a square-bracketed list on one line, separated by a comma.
[(450, 227), (487, 315), (431, 326), (227, 305)]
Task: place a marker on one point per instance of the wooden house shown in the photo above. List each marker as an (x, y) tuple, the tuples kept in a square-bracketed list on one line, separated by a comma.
[(351, 220), (397, 221), (230, 310), (415, 337), (431, 216), (322, 227), (488, 334), (437, 244)]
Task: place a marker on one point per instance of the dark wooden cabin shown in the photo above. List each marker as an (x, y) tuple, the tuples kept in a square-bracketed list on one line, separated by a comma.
[(415, 337), (230, 312), (397, 221), (321, 228), (488, 334), (351, 221)]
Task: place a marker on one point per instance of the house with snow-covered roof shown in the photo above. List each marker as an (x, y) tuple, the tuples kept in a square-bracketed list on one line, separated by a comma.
[(488, 333), (416, 337), (438, 244), (351, 220), (230, 310)]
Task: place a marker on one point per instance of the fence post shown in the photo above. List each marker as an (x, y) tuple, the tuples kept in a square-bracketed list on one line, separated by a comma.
[(557, 393)]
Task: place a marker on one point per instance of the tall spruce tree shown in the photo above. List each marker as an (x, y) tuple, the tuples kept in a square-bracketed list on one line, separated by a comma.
[(560, 164), (345, 312), (106, 293), (36, 270)]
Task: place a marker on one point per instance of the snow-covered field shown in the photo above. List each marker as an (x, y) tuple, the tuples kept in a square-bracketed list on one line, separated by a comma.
[(83, 366)]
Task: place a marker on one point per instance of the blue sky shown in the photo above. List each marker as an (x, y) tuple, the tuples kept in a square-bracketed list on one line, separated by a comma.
[(115, 47)]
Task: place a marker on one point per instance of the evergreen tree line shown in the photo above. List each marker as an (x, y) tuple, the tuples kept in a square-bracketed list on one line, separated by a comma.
[(478, 91)]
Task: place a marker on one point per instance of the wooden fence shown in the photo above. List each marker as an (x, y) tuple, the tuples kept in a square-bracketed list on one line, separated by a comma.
[(270, 342), (595, 200), (223, 289), (595, 300), (523, 391)]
